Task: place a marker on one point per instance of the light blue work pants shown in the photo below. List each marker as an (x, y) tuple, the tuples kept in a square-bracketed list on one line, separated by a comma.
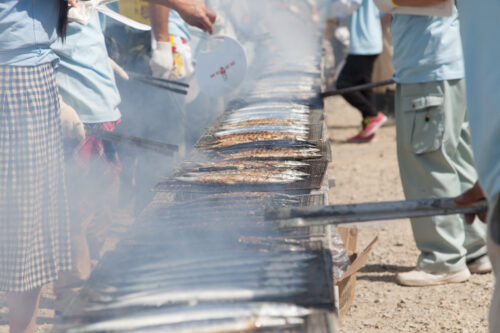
[(435, 160)]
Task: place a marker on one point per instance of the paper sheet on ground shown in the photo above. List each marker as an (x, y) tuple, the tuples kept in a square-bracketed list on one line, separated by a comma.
[(443, 9)]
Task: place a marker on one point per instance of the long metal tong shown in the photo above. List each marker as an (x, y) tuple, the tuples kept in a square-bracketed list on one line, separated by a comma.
[(161, 83), (133, 141), (356, 88), (371, 211)]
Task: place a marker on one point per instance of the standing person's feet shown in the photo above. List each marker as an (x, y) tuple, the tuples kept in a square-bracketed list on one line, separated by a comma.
[(359, 139), (420, 278), (481, 265), (370, 126)]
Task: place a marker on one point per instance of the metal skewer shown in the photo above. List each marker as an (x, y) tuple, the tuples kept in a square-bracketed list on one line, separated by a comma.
[(162, 86), (371, 211), (160, 83), (133, 141), (356, 88), (155, 79)]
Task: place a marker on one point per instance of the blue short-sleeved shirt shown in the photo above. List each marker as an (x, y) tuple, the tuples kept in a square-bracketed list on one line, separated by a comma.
[(480, 26), (426, 48), (27, 28), (85, 78), (365, 29), (177, 26)]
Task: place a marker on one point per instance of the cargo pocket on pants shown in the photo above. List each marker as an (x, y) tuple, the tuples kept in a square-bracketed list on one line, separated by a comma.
[(424, 123)]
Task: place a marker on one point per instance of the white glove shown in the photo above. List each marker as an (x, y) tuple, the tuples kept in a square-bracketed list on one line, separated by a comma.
[(83, 13), (72, 125), (162, 60), (343, 35)]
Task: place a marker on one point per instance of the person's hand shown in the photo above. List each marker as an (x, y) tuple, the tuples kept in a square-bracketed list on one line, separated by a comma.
[(82, 12), (194, 13), (162, 60), (72, 125), (342, 34), (469, 197)]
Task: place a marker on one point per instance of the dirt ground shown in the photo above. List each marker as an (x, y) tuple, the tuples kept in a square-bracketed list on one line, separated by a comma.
[(369, 172)]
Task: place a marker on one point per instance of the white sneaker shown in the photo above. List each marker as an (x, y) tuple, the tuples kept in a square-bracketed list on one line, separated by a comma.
[(481, 265), (420, 278)]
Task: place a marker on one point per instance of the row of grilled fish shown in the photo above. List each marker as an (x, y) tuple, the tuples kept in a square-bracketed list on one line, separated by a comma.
[(211, 318), (272, 135), (267, 121), (250, 172)]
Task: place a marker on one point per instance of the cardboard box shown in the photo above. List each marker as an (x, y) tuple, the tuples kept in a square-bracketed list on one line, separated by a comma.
[(345, 286)]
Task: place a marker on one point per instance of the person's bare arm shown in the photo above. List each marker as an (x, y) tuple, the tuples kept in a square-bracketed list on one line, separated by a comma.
[(159, 22), (193, 12), (162, 61), (417, 3)]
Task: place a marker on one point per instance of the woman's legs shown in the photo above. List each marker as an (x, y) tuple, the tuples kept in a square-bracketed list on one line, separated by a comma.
[(23, 308), (358, 70)]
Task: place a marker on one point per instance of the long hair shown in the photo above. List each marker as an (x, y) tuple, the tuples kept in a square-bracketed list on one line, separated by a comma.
[(63, 18)]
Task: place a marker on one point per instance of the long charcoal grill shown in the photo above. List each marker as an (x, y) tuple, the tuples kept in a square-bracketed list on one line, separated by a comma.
[(221, 263), (202, 258)]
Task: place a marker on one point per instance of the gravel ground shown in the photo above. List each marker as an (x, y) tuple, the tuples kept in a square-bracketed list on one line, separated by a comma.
[(369, 172)]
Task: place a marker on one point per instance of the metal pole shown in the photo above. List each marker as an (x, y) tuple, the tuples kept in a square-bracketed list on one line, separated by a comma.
[(371, 211), (356, 88), (155, 79), (162, 86), (133, 141)]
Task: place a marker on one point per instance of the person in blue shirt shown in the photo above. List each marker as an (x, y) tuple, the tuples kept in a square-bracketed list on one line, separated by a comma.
[(34, 226), (87, 85), (365, 45), (433, 144), (85, 78), (479, 27)]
